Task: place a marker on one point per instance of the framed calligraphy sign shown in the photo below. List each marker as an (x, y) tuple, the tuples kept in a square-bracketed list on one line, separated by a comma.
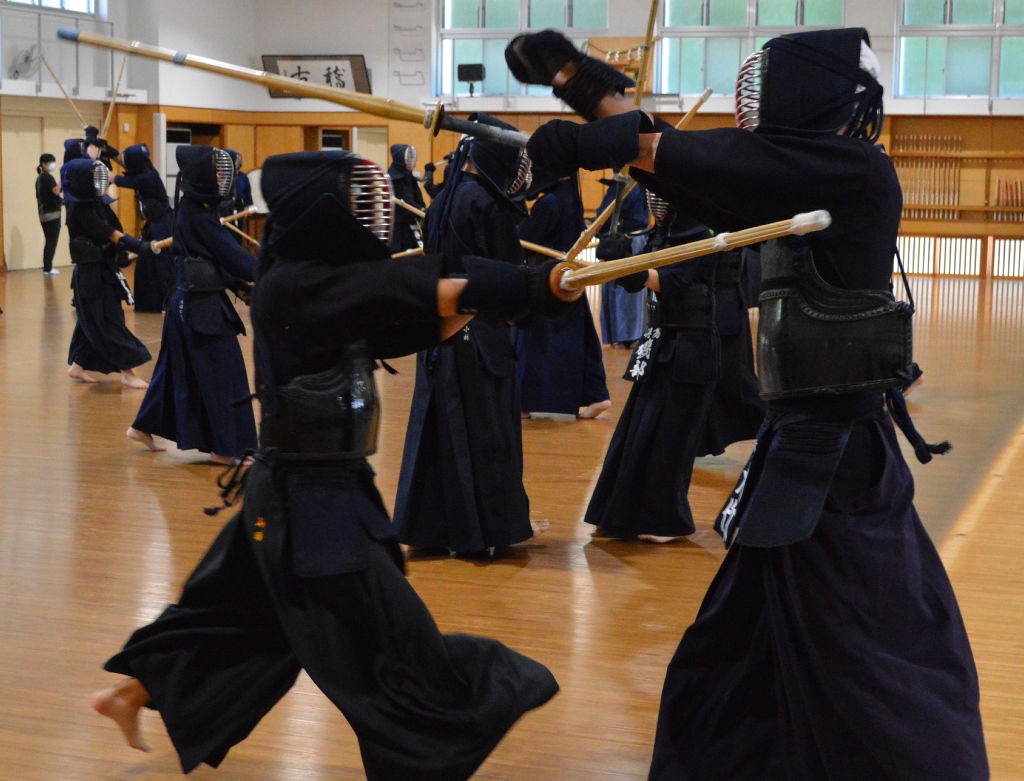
[(346, 71)]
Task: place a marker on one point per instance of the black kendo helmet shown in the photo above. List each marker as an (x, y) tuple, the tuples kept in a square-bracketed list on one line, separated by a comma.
[(821, 82), (74, 148), (205, 172), (507, 169), (136, 158), (404, 156), (331, 205), (84, 179)]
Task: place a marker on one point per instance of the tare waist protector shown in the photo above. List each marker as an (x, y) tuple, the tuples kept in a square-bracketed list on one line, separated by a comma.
[(815, 339), (331, 415)]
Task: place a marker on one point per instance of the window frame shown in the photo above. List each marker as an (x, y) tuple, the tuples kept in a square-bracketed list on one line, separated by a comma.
[(995, 33), (513, 89), (753, 35)]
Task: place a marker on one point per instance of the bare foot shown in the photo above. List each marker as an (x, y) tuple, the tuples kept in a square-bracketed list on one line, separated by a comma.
[(213, 458), (132, 380), (79, 374), (656, 538), (539, 527), (143, 439), (595, 409), (122, 703)]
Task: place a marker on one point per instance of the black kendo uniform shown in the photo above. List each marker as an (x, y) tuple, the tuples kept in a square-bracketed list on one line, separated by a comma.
[(309, 575), (461, 483), (406, 233), (199, 394), (559, 364), (694, 389), (830, 644), (101, 340), (154, 277)]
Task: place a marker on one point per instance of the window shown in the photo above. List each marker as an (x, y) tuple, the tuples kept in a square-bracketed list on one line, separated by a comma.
[(704, 42), (960, 48), (477, 31), (78, 6)]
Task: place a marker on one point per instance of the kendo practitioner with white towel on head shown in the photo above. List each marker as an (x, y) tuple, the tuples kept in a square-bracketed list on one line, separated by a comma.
[(309, 574), (830, 643)]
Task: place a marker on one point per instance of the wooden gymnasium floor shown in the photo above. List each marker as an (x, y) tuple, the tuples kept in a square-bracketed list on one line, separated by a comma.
[(96, 535)]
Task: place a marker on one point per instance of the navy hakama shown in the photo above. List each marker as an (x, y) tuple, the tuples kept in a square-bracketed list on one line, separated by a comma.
[(559, 367), (762, 687)]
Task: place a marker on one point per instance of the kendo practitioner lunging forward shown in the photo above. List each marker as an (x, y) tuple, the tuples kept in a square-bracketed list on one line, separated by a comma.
[(309, 575), (829, 644)]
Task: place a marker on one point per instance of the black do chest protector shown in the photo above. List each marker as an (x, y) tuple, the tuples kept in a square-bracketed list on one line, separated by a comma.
[(331, 415), (815, 339)]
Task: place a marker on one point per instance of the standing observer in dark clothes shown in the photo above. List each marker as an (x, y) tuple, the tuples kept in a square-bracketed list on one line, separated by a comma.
[(407, 233), (309, 575), (694, 391), (559, 366), (460, 489), (830, 643), (199, 397), (101, 341), (154, 277), (49, 204)]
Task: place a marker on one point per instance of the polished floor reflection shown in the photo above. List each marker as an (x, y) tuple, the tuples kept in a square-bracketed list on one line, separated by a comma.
[(96, 535)]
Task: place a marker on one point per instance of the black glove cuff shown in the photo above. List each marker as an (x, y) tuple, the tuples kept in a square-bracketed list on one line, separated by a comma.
[(494, 287), (633, 283), (593, 81), (611, 142), (132, 244), (535, 58)]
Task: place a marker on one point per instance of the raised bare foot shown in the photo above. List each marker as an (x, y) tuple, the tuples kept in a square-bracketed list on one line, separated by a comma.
[(592, 411), (656, 538), (539, 527), (122, 704), (132, 380), (79, 374), (143, 439)]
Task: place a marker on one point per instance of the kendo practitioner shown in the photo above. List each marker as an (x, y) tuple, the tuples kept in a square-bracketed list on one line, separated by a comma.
[(830, 643), (154, 277), (238, 199), (101, 341), (309, 575), (622, 311), (460, 488), (559, 366), (199, 397), (694, 390), (407, 234)]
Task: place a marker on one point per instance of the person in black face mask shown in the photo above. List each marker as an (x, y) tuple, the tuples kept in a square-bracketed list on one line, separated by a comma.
[(461, 488), (309, 574), (101, 341), (830, 644)]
